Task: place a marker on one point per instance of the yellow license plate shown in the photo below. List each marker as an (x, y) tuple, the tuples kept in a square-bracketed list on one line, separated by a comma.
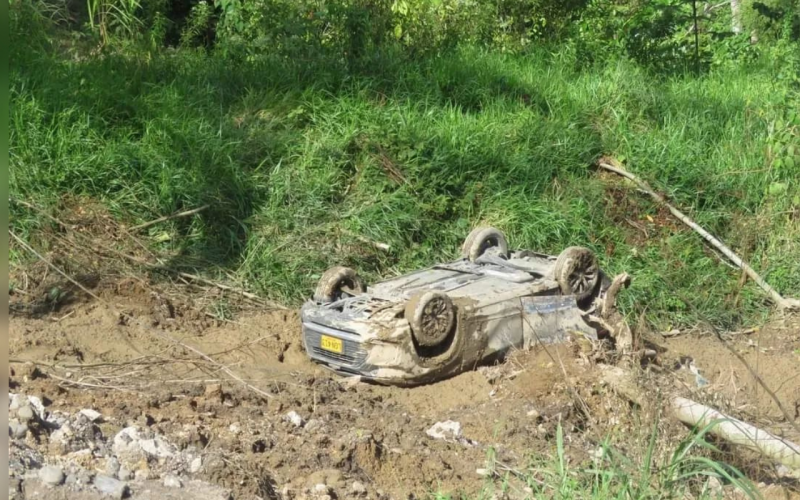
[(331, 344)]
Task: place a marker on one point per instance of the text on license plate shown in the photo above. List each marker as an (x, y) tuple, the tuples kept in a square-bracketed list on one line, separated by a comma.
[(331, 344)]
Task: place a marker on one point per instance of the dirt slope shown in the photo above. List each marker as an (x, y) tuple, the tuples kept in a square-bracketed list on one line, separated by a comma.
[(313, 427)]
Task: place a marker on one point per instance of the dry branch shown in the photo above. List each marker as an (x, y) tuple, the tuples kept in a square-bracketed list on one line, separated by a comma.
[(737, 432), (133, 320), (783, 303), (168, 217)]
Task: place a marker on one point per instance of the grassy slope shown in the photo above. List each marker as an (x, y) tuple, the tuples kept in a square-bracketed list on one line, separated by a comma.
[(301, 160)]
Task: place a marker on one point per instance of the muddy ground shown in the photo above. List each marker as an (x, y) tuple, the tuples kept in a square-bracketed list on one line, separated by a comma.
[(134, 357)]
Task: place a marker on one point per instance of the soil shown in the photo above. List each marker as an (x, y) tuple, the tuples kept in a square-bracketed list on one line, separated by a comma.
[(141, 368)]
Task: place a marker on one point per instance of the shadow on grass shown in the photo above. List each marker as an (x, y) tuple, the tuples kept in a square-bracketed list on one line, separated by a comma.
[(154, 136)]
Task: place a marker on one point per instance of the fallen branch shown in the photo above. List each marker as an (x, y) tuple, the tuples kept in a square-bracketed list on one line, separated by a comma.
[(783, 303), (133, 320), (168, 217), (737, 432), (227, 288)]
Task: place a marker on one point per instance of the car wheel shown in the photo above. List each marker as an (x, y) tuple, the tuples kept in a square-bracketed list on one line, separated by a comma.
[(482, 239), (337, 282), (431, 316), (576, 272)]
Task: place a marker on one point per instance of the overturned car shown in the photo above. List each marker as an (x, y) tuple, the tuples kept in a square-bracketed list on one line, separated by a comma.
[(452, 317)]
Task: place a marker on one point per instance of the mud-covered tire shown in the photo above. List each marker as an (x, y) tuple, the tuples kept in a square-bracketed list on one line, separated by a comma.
[(577, 272), (335, 280), (480, 240), (432, 317)]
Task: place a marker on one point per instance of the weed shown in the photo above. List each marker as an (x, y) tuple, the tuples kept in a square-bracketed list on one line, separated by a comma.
[(302, 162)]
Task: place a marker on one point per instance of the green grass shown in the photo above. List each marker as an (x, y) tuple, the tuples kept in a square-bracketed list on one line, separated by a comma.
[(301, 160), (684, 470)]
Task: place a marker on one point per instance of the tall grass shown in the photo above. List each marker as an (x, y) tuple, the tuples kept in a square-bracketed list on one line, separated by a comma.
[(302, 161), (686, 469)]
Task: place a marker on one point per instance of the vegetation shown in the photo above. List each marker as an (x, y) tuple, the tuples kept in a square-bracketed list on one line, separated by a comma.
[(315, 129), (684, 470)]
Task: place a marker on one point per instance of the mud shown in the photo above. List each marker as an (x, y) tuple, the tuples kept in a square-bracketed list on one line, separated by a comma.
[(357, 439)]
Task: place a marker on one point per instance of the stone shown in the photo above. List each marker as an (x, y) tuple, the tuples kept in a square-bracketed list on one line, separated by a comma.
[(51, 475), (157, 447), (358, 488), (112, 467), (313, 425), (25, 414), (294, 418), (124, 474), (321, 489), (445, 430), (172, 481), (91, 415), (14, 402), (143, 475), (213, 391), (130, 448), (110, 487), (17, 430), (196, 465)]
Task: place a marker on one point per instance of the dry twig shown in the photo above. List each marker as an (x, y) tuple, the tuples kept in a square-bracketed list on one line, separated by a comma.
[(783, 303), (133, 320), (168, 217)]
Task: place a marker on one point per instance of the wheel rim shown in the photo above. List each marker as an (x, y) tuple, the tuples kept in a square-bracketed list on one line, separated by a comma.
[(435, 317), (581, 281)]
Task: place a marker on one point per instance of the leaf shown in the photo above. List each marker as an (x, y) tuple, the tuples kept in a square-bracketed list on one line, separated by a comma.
[(789, 162), (398, 31), (777, 188)]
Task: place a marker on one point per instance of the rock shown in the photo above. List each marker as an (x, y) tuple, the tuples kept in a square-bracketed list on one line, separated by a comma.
[(172, 481), (714, 486), (445, 430), (62, 435), (14, 402), (313, 424), (25, 414), (321, 489), (483, 472), (112, 467), (294, 418), (143, 475), (196, 465), (130, 448), (124, 474), (51, 475), (358, 488), (214, 391), (17, 430), (92, 415), (111, 487)]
